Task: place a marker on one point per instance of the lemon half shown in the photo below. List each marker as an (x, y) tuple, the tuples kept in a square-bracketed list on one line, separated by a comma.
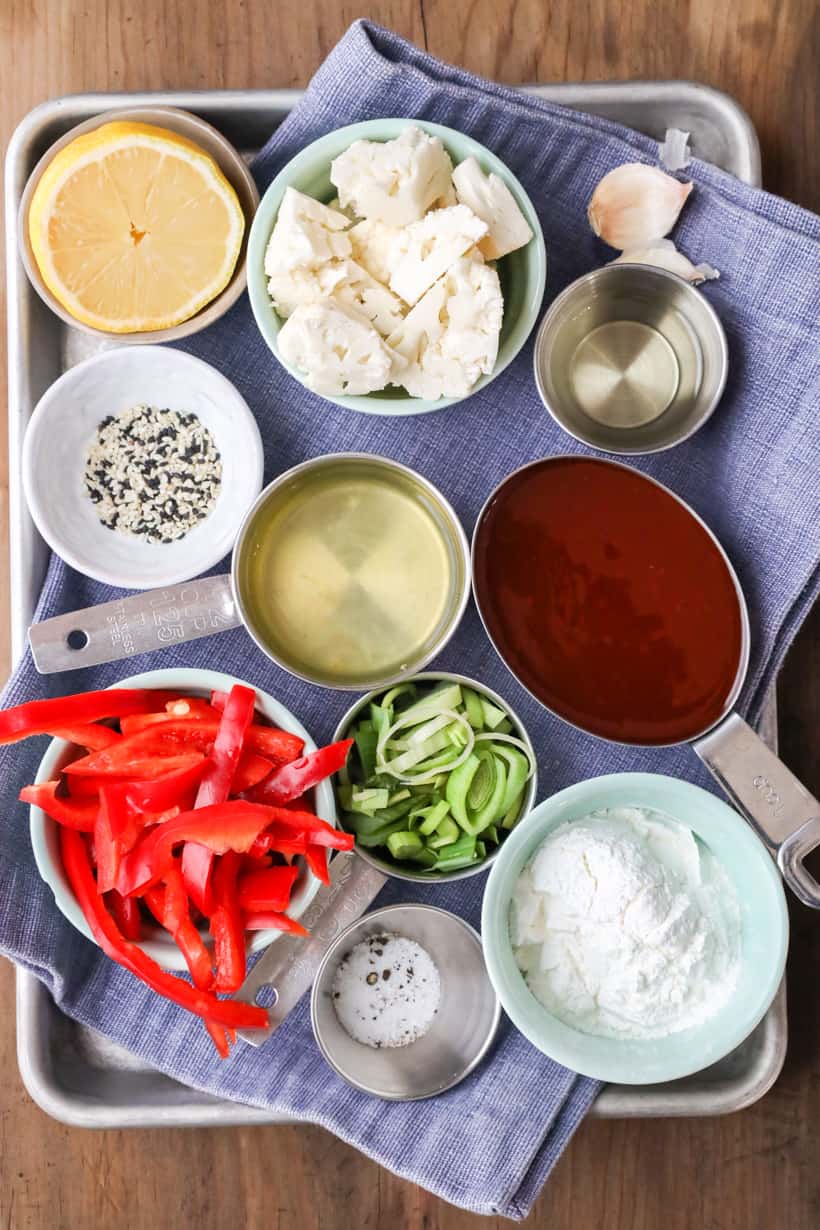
[(134, 228)]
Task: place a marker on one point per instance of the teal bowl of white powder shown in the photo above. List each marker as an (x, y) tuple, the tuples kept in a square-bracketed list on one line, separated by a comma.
[(635, 928)]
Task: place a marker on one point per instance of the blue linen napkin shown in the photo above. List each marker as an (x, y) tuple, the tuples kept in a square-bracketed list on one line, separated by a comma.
[(490, 1144)]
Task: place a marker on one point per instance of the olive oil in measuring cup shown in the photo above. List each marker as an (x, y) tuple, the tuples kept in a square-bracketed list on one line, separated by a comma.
[(352, 572)]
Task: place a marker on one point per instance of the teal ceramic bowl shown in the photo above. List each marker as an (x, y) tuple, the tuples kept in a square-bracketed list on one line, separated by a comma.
[(44, 831), (522, 273), (764, 926)]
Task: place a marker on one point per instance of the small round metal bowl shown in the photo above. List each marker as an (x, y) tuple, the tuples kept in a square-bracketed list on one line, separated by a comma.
[(462, 1030), (287, 648), (405, 872), (231, 165), (45, 837), (631, 359)]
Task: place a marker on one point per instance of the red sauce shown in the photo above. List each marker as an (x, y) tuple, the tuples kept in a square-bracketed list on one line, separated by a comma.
[(609, 601)]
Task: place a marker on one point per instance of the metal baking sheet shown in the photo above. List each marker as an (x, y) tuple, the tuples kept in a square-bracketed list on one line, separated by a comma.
[(73, 1073)]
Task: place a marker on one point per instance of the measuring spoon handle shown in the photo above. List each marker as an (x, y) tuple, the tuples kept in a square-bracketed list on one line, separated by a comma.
[(775, 803), (130, 626)]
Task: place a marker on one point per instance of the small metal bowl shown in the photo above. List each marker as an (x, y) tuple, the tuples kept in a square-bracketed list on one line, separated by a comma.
[(231, 165), (530, 790), (296, 483), (631, 359), (462, 1030)]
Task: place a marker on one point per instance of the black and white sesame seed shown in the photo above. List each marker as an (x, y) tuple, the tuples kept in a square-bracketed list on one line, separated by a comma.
[(153, 473)]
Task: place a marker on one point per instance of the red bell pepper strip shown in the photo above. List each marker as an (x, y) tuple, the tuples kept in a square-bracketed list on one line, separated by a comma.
[(319, 832), (316, 859), (41, 717), (75, 813), (169, 905), (126, 914), (281, 745), (154, 899), (268, 920), (227, 1012), (174, 789), (224, 826), (287, 782), (183, 707), (227, 749), (197, 861), (281, 840), (267, 889), (220, 1038), (170, 737), (126, 808), (251, 769), (143, 767), (116, 829), (90, 735), (226, 926)]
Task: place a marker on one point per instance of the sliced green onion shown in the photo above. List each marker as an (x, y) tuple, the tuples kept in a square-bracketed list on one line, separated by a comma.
[(446, 833), (401, 689), (404, 844), (473, 708), (436, 778), (493, 716)]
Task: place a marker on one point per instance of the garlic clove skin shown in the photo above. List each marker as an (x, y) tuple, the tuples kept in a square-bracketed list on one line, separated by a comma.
[(663, 254), (636, 204)]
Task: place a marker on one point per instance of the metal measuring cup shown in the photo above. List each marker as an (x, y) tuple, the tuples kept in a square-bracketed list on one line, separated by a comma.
[(154, 619), (631, 359), (767, 794)]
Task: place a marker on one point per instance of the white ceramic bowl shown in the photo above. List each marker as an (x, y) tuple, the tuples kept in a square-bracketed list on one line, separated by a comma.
[(45, 832), (62, 427)]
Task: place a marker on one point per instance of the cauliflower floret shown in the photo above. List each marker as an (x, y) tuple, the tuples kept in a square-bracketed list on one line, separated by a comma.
[(425, 250), (334, 204), (394, 182), (345, 282), (490, 199), (364, 294), (293, 287), (372, 242), (338, 350), (446, 199), (450, 338), (307, 234)]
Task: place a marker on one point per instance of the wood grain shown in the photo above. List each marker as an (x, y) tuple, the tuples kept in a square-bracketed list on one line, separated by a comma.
[(753, 1171)]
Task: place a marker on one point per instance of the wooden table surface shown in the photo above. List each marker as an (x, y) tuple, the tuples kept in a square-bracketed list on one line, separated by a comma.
[(757, 1170)]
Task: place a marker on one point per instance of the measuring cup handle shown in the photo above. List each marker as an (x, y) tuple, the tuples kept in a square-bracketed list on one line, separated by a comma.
[(771, 798), (131, 626)]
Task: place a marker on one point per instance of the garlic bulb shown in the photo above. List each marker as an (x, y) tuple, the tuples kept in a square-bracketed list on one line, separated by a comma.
[(636, 204), (664, 255)]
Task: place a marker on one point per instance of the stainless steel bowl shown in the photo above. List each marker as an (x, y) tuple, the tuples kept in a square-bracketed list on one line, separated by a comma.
[(447, 523), (631, 359), (530, 790), (462, 1030)]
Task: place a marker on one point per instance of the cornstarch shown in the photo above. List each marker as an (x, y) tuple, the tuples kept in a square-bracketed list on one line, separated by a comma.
[(624, 925)]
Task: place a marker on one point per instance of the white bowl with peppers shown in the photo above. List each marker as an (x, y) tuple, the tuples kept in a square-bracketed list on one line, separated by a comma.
[(440, 772), (182, 820)]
